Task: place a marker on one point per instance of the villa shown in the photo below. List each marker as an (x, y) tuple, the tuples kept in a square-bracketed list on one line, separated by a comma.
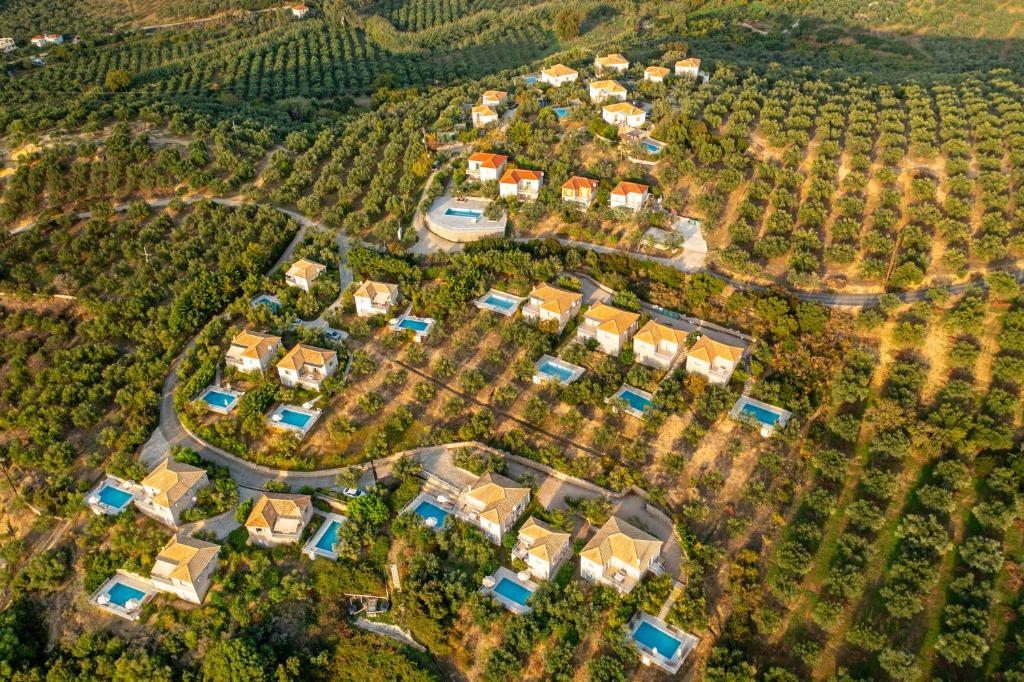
[(278, 519), (485, 167), (375, 298), (620, 555), (493, 98), (629, 195), (169, 490), (558, 75), (47, 39), (579, 190), (624, 114), (484, 116), (252, 351), (307, 366), (542, 547), (184, 566), (551, 303), (611, 327), (612, 62), (605, 90), (302, 273), (300, 11), (688, 67), (658, 345), (494, 503), (520, 183), (713, 359), (656, 74)]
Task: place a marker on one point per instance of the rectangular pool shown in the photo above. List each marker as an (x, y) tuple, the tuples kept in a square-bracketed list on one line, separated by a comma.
[(220, 399), (463, 212), (656, 639), (513, 591), (563, 374), (636, 401), (329, 537), (651, 147), (764, 416), (120, 593), (415, 325), (429, 510), (268, 301), (114, 497), (501, 302), (294, 418)]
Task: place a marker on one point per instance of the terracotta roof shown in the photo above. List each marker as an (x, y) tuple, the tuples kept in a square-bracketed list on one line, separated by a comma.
[(688, 62), (608, 86), (484, 110), (613, 59), (544, 542), (378, 292), (184, 558), (654, 333), (576, 183), (494, 497), (172, 480), (559, 70), (514, 176), (611, 319), (306, 269), (495, 94), (555, 300), (300, 8), (249, 344), (658, 71), (623, 541), (625, 188), (624, 108), (708, 350), (487, 160), (280, 512), (301, 355)]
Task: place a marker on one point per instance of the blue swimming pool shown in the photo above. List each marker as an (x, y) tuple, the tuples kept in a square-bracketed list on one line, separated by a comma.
[(221, 399), (563, 374), (530, 80), (464, 212), (267, 301), (561, 112), (765, 416), (295, 418), (655, 638), (120, 593), (500, 302), (635, 400), (330, 536), (513, 591), (651, 147), (114, 497), (415, 325), (429, 510)]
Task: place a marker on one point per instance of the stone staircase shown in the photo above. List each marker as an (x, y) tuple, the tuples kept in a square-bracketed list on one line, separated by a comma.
[(395, 579), (677, 591)]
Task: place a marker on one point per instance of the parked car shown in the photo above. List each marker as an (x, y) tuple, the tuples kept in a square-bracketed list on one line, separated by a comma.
[(353, 492)]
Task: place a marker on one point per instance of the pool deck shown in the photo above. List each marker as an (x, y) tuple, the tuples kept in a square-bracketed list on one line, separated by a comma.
[(542, 378), (226, 409), (131, 580), (265, 299), (310, 549), (459, 229), (280, 425), (687, 643), (629, 409), (100, 507), (504, 573), (395, 325), (766, 429), (482, 303)]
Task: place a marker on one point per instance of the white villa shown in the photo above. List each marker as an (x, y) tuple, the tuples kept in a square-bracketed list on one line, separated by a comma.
[(307, 366), (605, 90), (494, 504), (558, 75), (169, 490), (629, 195), (611, 327), (302, 273), (375, 298), (485, 167), (299, 11), (612, 62), (484, 116), (542, 547), (658, 345), (278, 519), (656, 74), (520, 183), (493, 98), (620, 555), (713, 359), (551, 303), (579, 190), (184, 566), (252, 351), (624, 114), (688, 67), (47, 39)]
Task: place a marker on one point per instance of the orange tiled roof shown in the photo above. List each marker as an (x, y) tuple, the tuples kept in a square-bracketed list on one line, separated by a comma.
[(513, 176), (625, 188), (487, 160), (708, 350), (576, 183)]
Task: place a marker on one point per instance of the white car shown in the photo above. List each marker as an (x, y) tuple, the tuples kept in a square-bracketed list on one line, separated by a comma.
[(353, 492)]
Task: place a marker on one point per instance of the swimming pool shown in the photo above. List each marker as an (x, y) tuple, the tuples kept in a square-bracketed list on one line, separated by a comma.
[(294, 418), (513, 591), (765, 416), (563, 374), (561, 112), (530, 80), (463, 212), (656, 639), (220, 399), (415, 325), (329, 537), (120, 593), (635, 400), (267, 300), (429, 510), (113, 497), (501, 302), (651, 147)]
